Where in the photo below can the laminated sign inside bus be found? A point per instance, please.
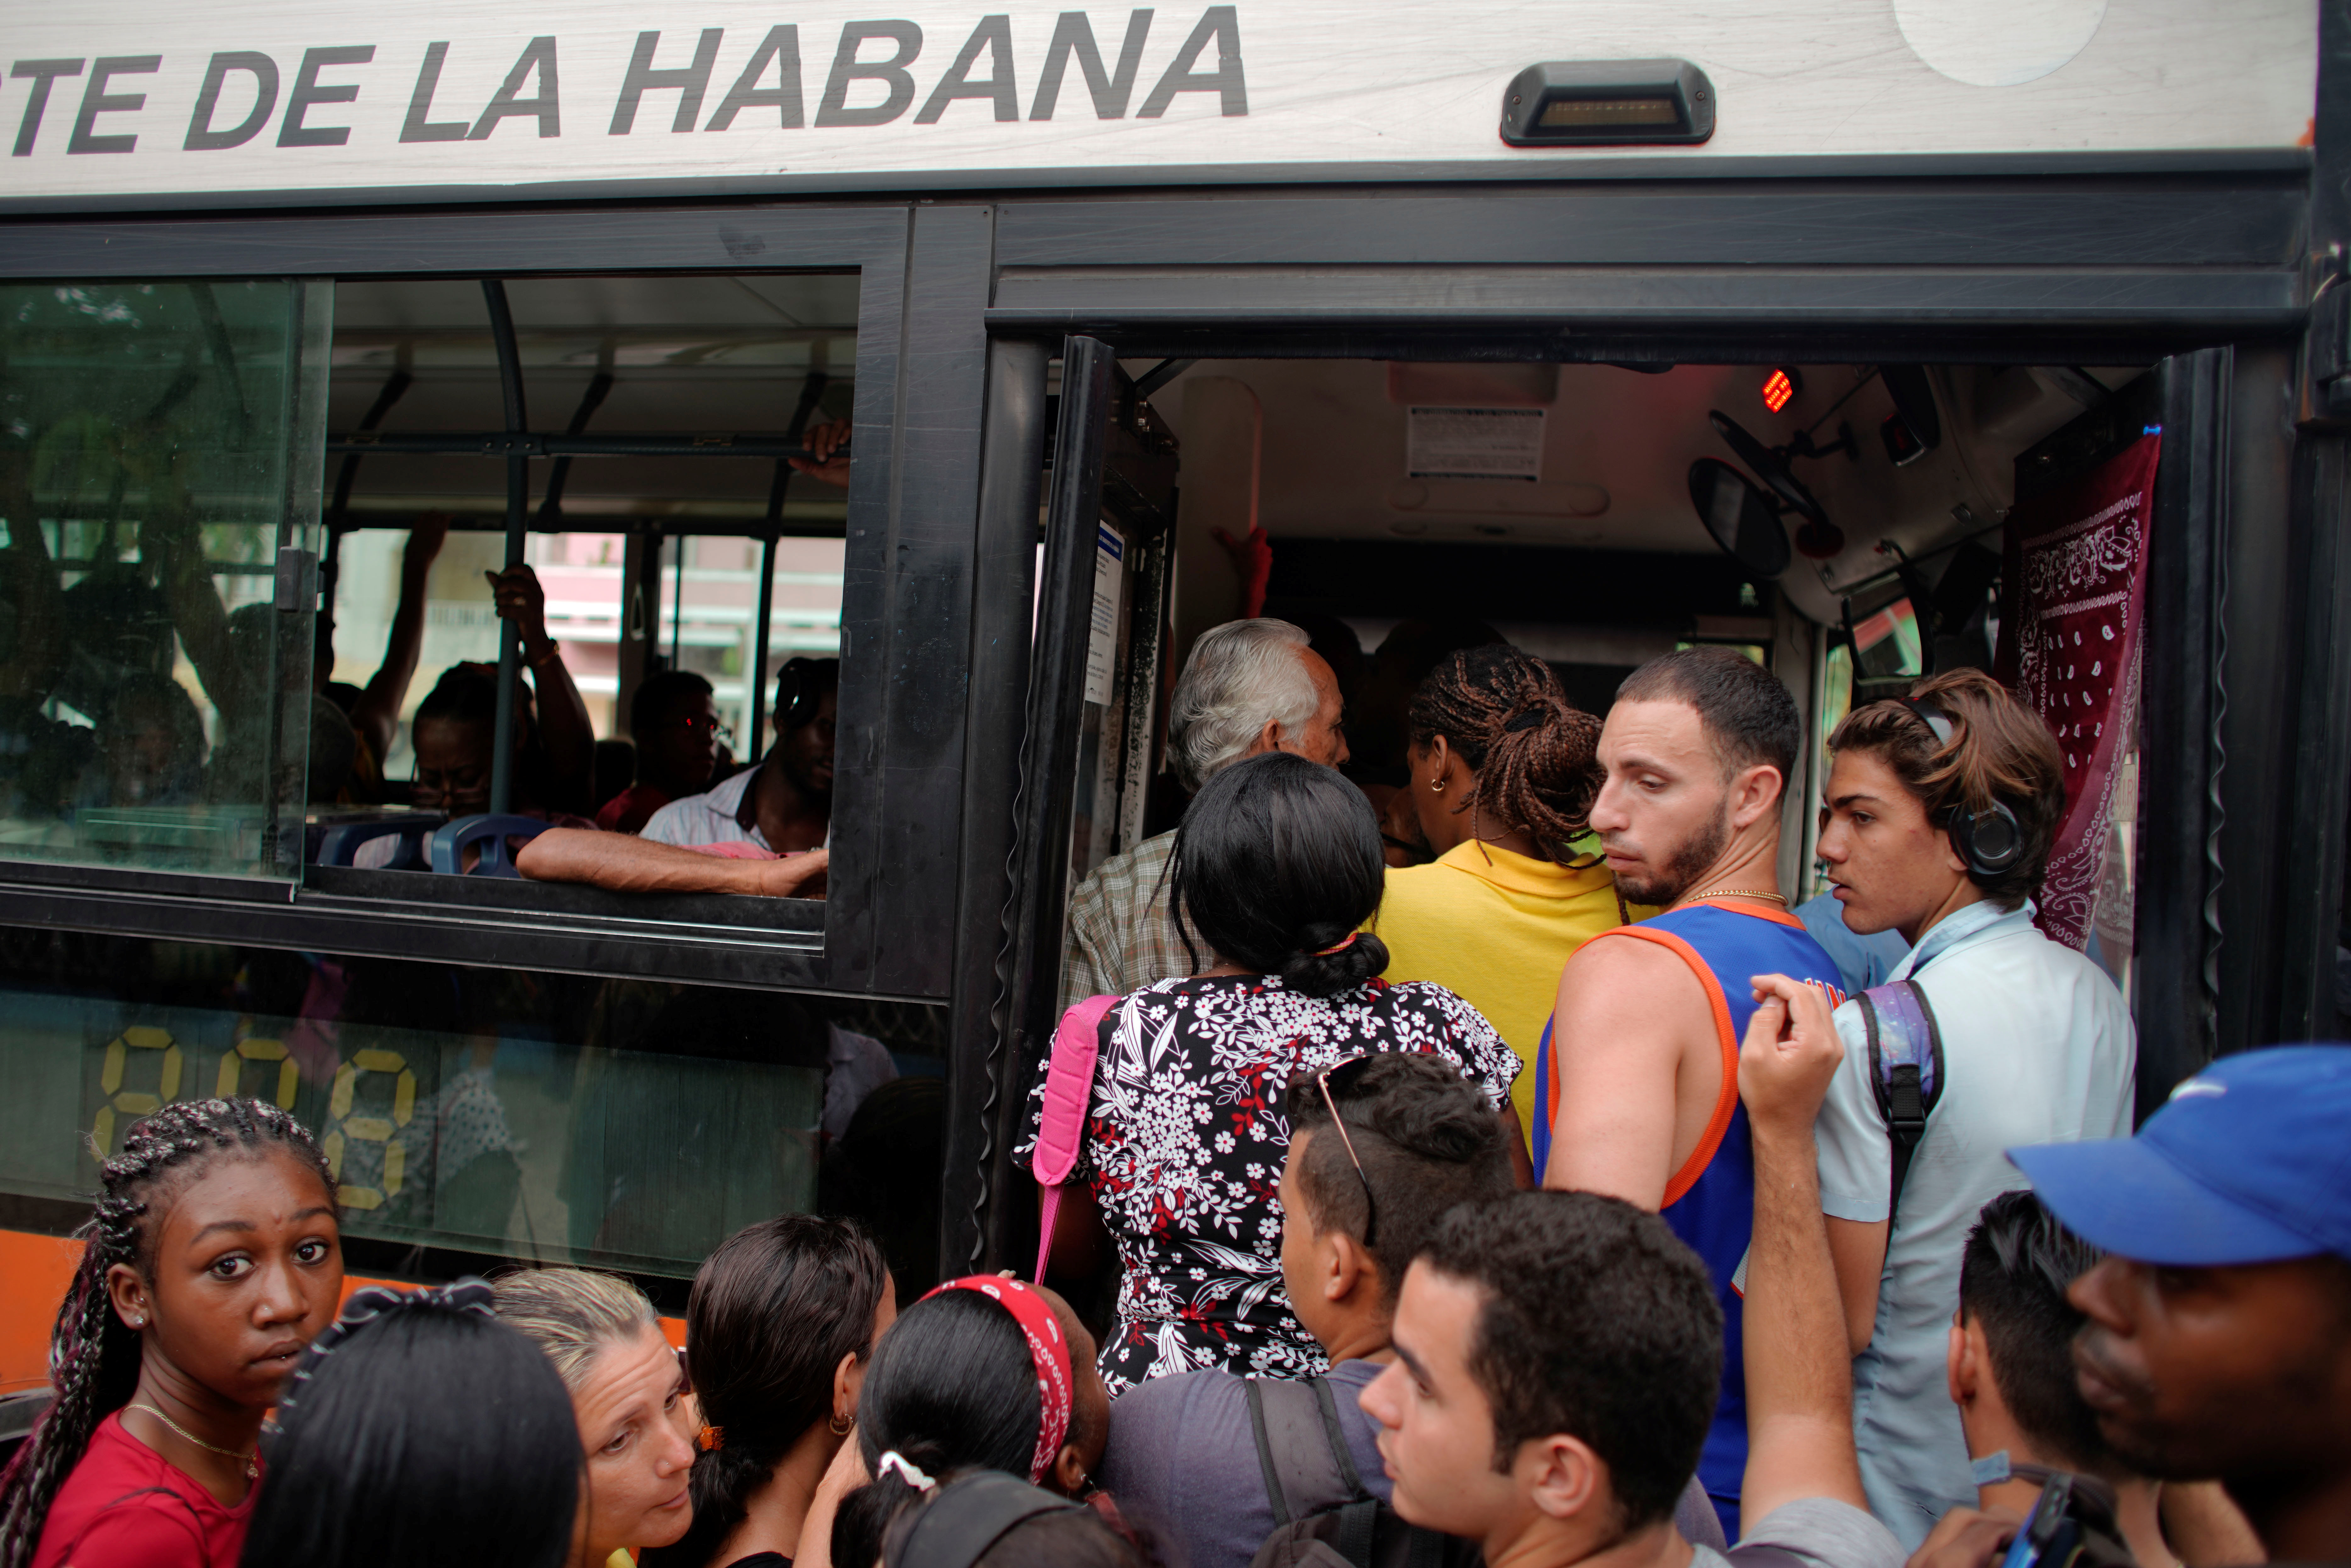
(121, 100)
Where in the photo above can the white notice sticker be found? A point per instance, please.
(1102, 646)
(1474, 443)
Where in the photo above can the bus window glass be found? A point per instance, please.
(510, 1115)
(159, 473)
(667, 411)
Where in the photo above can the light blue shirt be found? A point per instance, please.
(2038, 1047)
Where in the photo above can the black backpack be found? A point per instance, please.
(1906, 1069)
(1322, 1516)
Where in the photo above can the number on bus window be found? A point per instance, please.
(232, 1070)
(133, 1102)
(371, 1129)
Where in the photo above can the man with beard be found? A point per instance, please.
(2219, 1335)
(1637, 1088)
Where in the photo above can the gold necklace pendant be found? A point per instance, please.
(252, 1465)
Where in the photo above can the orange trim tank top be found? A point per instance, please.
(1710, 1201)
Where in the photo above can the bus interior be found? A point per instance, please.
(1837, 522)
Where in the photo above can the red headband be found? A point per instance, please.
(1048, 1353)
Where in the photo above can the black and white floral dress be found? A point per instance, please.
(1184, 1148)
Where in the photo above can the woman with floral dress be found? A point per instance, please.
(1276, 867)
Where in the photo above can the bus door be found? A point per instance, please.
(1098, 680)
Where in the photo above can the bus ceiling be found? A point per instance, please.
(1842, 473)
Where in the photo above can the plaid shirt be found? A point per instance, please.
(1122, 932)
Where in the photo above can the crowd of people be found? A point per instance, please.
(1548, 1201)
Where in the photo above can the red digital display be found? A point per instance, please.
(1778, 390)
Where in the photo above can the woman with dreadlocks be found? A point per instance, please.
(213, 1261)
(1503, 773)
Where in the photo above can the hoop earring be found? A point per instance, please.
(1436, 786)
(841, 1428)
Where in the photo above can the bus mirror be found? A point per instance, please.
(1914, 429)
(1741, 515)
(1608, 103)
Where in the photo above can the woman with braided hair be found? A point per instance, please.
(1503, 772)
(212, 1262)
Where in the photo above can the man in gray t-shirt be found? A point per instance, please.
(1557, 1356)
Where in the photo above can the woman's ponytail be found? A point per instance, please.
(1343, 963)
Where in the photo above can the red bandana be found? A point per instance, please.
(1048, 1352)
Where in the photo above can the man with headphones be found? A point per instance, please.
(784, 805)
(1940, 812)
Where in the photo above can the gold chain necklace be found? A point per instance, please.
(1738, 893)
(252, 1466)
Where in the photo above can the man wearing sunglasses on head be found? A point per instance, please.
(1381, 1148)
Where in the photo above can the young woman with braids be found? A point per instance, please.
(1276, 869)
(212, 1262)
(1503, 772)
(780, 1331)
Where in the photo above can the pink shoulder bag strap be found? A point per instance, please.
(1069, 1094)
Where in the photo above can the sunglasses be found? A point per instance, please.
(1343, 1073)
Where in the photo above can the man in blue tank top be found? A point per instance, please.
(1638, 1083)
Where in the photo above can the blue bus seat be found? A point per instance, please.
(446, 848)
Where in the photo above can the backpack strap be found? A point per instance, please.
(1906, 1069)
(1306, 1465)
(1069, 1096)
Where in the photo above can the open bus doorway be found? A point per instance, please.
(1576, 510)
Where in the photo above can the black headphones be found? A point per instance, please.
(1990, 842)
(800, 685)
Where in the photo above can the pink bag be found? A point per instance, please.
(1069, 1094)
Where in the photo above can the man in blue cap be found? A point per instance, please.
(2218, 1342)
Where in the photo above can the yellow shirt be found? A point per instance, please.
(1495, 928)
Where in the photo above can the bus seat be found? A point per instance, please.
(339, 844)
(446, 848)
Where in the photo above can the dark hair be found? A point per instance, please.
(2001, 753)
(1503, 712)
(433, 1434)
(660, 691)
(773, 1311)
(1597, 1323)
(1429, 1142)
(2014, 1274)
(93, 1356)
(465, 694)
(1278, 859)
(1750, 718)
(951, 1388)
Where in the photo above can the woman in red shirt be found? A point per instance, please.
(213, 1258)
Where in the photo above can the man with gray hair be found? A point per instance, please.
(1249, 686)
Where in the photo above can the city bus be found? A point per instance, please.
(972, 350)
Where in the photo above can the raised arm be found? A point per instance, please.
(1617, 1029)
(564, 728)
(376, 714)
(1799, 1377)
(625, 863)
(197, 613)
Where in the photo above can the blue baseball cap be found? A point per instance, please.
(2249, 1163)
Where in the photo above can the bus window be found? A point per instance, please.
(157, 485)
(667, 536)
